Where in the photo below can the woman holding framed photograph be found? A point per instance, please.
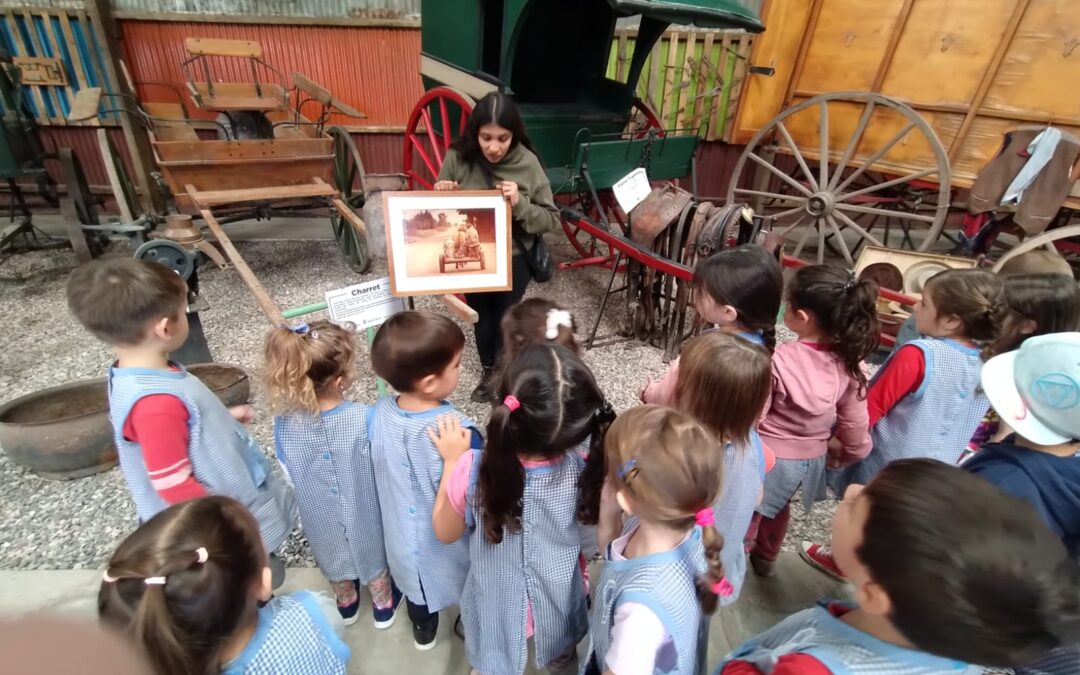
(494, 152)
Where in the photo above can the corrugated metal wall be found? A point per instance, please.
(376, 70)
(326, 9)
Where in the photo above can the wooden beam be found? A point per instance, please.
(219, 197)
(890, 48)
(459, 309)
(262, 296)
(988, 77)
(136, 136)
(187, 17)
(804, 47)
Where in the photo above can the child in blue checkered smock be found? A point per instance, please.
(926, 401)
(948, 572)
(663, 571)
(419, 355)
(724, 383)
(522, 501)
(322, 442)
(192, 587)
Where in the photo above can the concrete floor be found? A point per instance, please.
(763, 603)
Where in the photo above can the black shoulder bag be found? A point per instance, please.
(537, 256)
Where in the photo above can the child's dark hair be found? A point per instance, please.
(412, 345)
(301, 363)
(495, 108)
(977, 298)
(179, 610)
(560, 407)
(1050, 301)
(537, 321)
(844, 307)
(748, 278)
(115, 298)
(670, 467)
(724, 383)
(1005, 590)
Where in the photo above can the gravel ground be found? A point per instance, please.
(77, 524)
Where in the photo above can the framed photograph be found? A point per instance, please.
(447, 242)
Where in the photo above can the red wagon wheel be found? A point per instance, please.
(641, 120)
(436, 120)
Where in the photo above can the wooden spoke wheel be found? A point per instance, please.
(643, 119)
(436, 120)
(348, 178)
(823, 190)
(586, 246)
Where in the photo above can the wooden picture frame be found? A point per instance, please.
(448, 242)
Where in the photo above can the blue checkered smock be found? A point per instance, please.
(224, 458)
(329, 459)
(292, 636)
(935, 421)
(539, 565)
(744, 470)
(663, 582)
(408, 469)
(841, 648)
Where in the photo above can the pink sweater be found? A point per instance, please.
(812, 392)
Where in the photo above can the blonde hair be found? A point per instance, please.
(299, 364)
(724, 383)
(671, 468)
(1039, 261)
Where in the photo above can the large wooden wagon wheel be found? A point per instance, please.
(822, 195)
(641, 120)
(349, 180)
(436, 120)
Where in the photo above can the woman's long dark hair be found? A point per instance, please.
(561, 406)
(495, 108)
(845, 308)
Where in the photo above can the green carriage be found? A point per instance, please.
(552, 55)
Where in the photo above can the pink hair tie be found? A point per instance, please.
(723, 588)
(511, 402)
(705, 517)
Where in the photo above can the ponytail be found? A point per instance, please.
(501, 478)
(154, 628)
(712, 584)
(844, 308)
(591, 481)
(299, 363)
(854, 328)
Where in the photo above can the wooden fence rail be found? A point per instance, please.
(692, 79)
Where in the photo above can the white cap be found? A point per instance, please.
(1036, 388)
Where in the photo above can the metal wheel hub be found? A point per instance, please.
(820, 204)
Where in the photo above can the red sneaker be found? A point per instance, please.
(820, 557)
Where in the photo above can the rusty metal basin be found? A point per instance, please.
(64, 432)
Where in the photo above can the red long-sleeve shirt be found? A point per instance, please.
(899, 377)
(159, 424)
(789, 664)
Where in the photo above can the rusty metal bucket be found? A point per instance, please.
(63, 432)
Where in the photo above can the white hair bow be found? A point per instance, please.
(555, 319)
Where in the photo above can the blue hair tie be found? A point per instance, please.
(302, 329)
(627, 471)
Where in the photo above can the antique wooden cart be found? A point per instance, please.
(265, 156)
(589, 130)
(878, 114)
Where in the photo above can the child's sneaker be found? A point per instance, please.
(347, 594)
(820, 557)
(424, 635)
(384, 618)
